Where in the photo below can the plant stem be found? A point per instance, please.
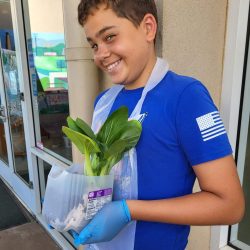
(105, 168)
(88, 168)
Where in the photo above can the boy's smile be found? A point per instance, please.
(121, 49)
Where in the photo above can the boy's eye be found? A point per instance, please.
(109, 37)
(94, 46)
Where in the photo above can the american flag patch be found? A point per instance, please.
(210, 125)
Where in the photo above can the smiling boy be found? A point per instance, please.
(183, 138)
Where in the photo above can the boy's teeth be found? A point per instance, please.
(113, 65)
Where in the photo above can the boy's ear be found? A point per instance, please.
(150, 27)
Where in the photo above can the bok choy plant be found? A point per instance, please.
(103, 150)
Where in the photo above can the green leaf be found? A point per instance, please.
(104, 150)
(128, 135)
(109, 129)
(117, 147)
(82, 142)
(131, 132)
(72, 125)
(85, 128)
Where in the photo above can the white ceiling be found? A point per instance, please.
(5, 15)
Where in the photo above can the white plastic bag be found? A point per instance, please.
(72, 199)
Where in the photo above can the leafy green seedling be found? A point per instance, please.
(104, 149)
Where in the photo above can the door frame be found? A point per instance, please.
(235, 44)
(22, 62)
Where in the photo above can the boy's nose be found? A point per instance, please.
(102, 53)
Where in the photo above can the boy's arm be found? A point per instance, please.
(220, 200)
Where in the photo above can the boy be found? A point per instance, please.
(182, 138)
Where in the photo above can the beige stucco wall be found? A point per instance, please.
(46, 16)
(193, 34)
(193, 43)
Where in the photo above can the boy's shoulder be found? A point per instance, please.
(180, 82)
(174, 85)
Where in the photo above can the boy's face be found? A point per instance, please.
(122, 50)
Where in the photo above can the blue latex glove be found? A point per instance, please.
(106, 224)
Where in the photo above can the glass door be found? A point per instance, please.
(5, 147)
(14, 166)
(6, 31)
(13, 112)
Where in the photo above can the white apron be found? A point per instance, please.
(125, 171)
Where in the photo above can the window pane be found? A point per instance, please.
(48, 74)
(13, 95)
(3, 148)
(44, 169)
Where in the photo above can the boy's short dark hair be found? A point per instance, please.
(133, 10)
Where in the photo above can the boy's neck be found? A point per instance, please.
(148, 71)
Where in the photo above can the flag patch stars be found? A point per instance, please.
(210, 125)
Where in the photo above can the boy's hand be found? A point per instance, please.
(106, 224)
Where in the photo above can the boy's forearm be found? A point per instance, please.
(202, 208)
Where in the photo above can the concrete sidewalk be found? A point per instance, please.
(29, 236)
(18, 228)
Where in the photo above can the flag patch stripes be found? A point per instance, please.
(210, 125)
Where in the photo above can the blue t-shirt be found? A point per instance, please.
(182, 129)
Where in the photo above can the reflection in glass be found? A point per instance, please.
(244, 225)
(12, 92)
(6, 38)
(48, 75)
(3, 148)
(44, 169)
(13, 99)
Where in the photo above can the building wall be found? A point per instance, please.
(193, 40)
(193, 44)
(46, 16)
